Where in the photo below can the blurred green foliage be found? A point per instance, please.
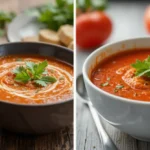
(91, 4)
(5, 17)
(55, 15)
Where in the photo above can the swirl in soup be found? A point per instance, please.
(125, 74)
(35, 80)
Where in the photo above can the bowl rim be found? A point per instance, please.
(117, 98)
(39, 105)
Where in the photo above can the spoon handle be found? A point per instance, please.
(107, 143)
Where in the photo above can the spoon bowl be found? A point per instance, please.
(105, 139)
(81, 89)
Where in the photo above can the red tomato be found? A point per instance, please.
(147, 19)
(92, 29)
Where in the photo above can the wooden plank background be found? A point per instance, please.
(60, 140)
(127, 17)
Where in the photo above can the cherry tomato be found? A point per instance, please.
(92, 29)
(147, 19)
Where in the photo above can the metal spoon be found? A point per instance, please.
(107, 143)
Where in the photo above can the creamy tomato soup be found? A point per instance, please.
(125, 74)
(29, 92)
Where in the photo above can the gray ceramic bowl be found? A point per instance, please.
(41, 118)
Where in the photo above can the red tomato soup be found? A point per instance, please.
(26, 80)
(116, 75)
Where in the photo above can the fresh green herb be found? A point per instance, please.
(84, 5)
(37, 69)
(108, 79)
(55, 15)
(118, 87)
(142, 67)
(5, 17)
(19, 69)
(105, 84)
(21, 75)
(45, 72)
(33, 72)
(45, 80)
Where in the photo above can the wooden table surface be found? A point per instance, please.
(127, 22)
(60, 140)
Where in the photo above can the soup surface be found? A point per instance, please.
(29, 92)
(117, 75)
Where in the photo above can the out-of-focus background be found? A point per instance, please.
(38, 21)
(57, 140)
(128, 21)
(17, 6)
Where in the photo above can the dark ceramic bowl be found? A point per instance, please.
(41, 118)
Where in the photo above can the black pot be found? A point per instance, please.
(39, 118)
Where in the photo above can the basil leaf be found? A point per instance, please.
(142, 67)
(22, 77)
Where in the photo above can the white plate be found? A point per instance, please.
(23, 26)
